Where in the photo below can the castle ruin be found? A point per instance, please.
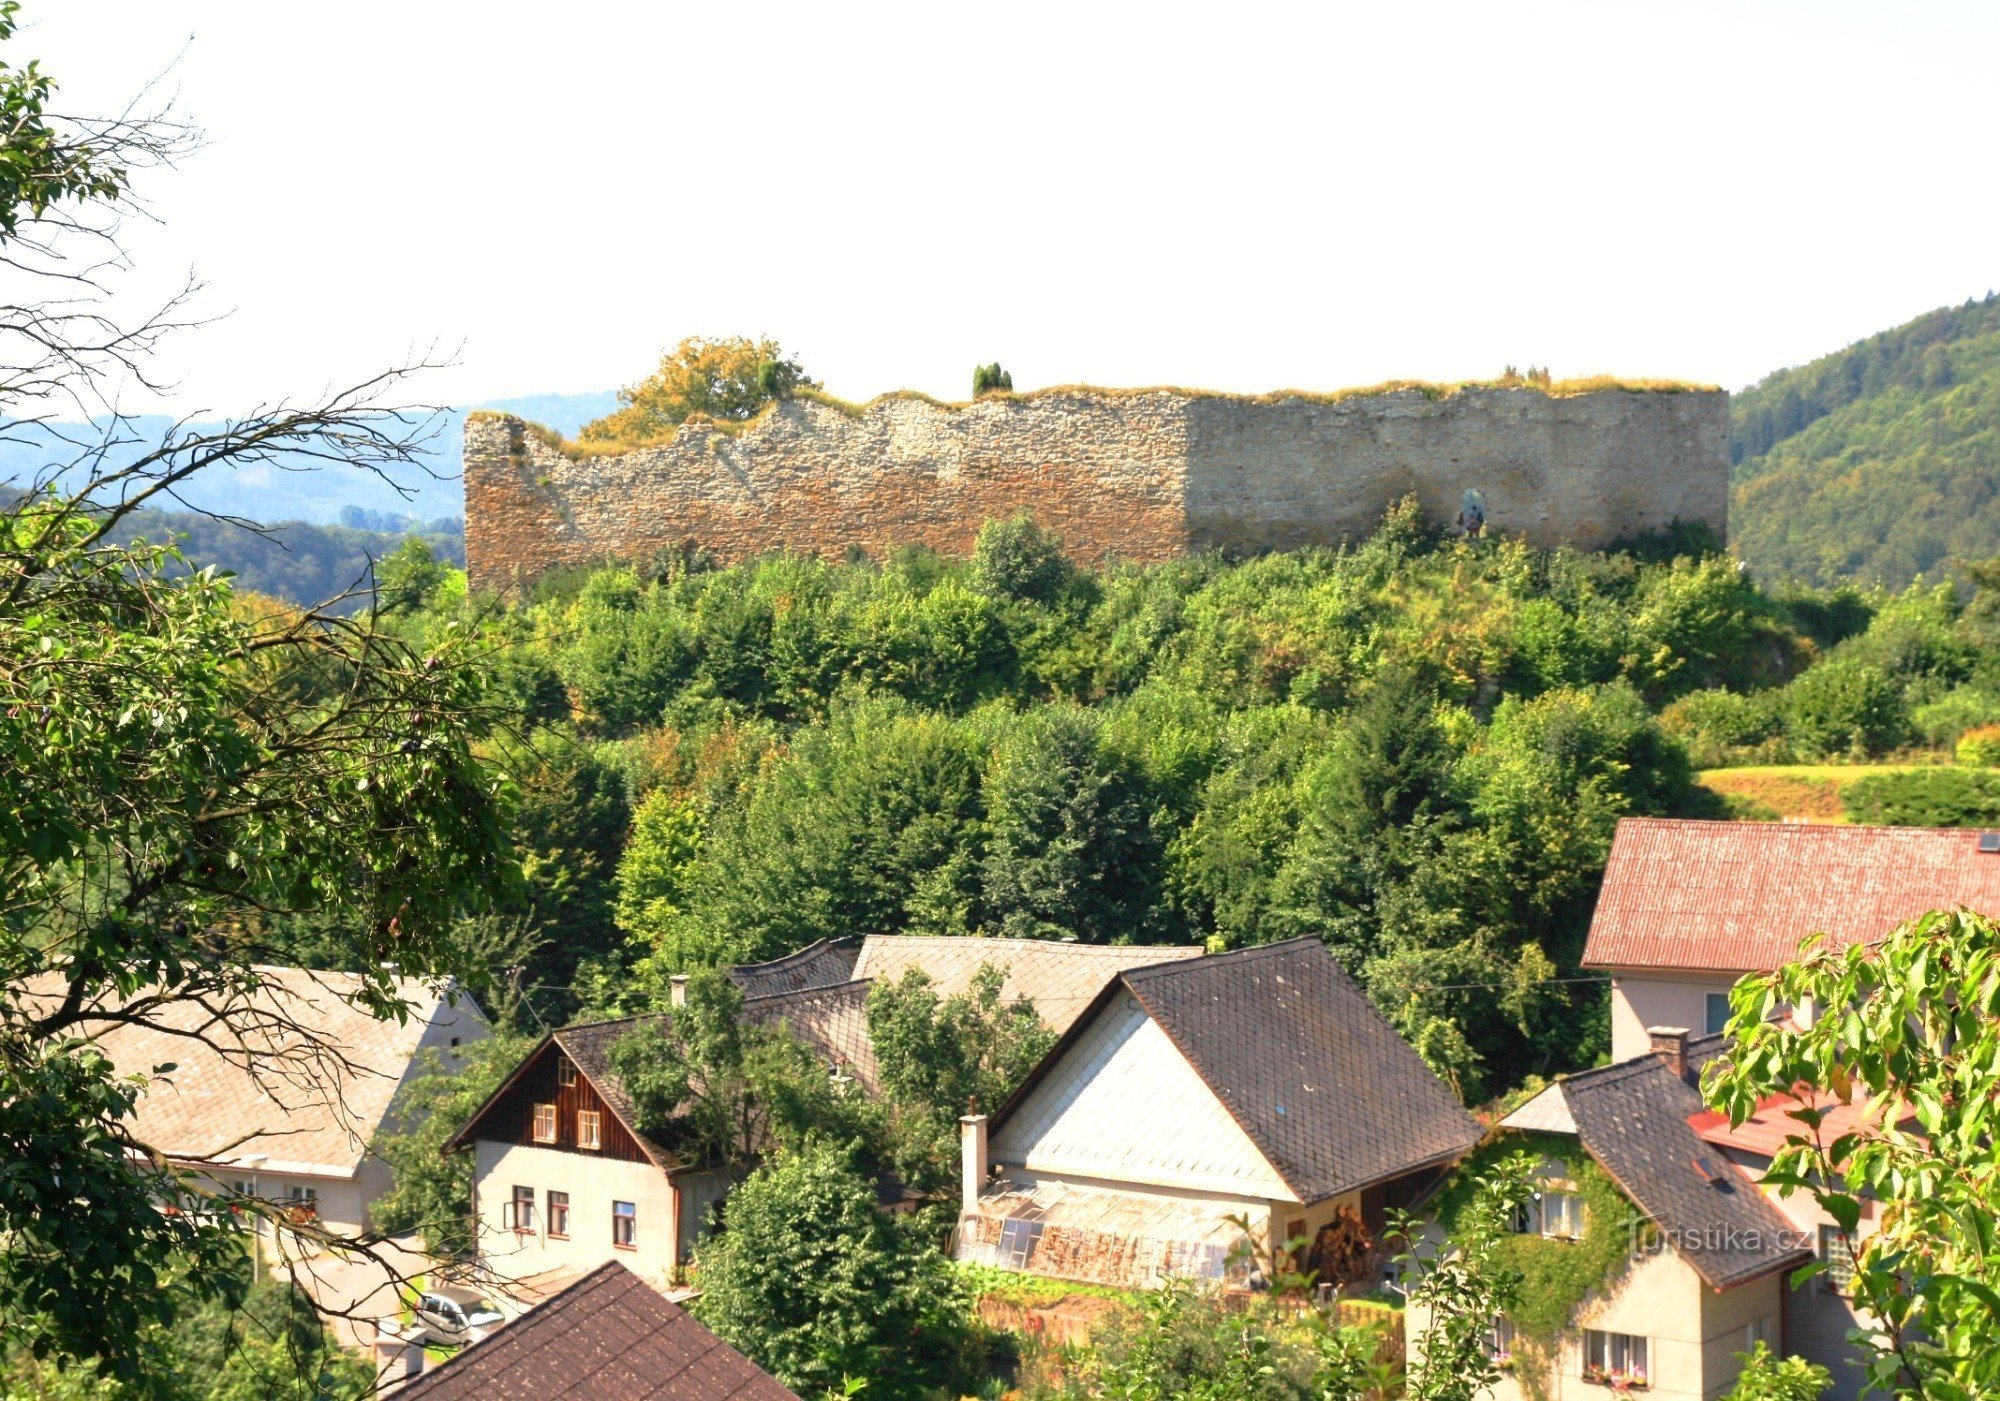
(1138, 475)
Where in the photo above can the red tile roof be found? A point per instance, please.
(1767, 1131)
(1739, 897)
(610, 1337)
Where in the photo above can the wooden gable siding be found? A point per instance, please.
(1124, 1105)
(511, 1118)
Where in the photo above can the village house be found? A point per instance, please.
(280, 1095)
(1704, 1255)
(1192, 1099)
(1689, 907)
(609, 1336)
(566, 1178)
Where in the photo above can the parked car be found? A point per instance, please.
(452, 1323)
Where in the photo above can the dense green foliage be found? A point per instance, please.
(1415, 750)
(1916, 1040)
(432, 1195)
(817, 1286)
(272, 1348)
(1935, 797)
(1767, 1377)
(1555, 1276)
(1880, 462)
(988, 378)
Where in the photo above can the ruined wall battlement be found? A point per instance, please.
(1119, 475)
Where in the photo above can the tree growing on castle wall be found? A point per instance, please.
(989, 379)
(731, 378)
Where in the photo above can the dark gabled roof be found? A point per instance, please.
(1740, 897)
(824, 964)
(589, 1048)
(1633, 1118)
(831, 1020)
(1322, 1084)
(610, 1337)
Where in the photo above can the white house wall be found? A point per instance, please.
(593, 1184)
(1124, 1105)
(1642, 1000)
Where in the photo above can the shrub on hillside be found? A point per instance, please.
(1980, 747)
(1843, 707)
(1722, 727)
(1939, 797)
(1942, 721)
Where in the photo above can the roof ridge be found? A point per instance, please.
(799, 993)
(1210, 960)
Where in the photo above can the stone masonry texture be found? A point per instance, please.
(1141, 476)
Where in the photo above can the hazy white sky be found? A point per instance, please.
(1242, 196)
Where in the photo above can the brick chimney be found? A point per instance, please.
(1670, 1044)
(972, 1159)
(678, 993)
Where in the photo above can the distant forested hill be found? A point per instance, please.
(297, 561)
(1880, 462)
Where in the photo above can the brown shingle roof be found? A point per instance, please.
(831, 1020)
(252, 1084)
(817, 965)
(610, 1337)
(1634, 1119)
(1059, 978)
(1739, 897)
(1322, 1084)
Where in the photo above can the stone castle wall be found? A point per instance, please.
(1140, 476)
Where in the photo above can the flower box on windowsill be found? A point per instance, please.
(1617, 1381)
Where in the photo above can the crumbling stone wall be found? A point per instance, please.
(1142, 475)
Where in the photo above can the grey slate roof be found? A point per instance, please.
(831, 1020)
(610, 1336)
(823, 964)
(1633, 1117)
(1323, 1085)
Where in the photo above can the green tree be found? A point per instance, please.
(816, 1285)
(1016, 559)
(178, 766)
(943, 1057)
(432, 1195)
(730, 378)
(1909, 1030)
(1767, 1377)
(1070, 850)
(987, 379)
(724, 1091)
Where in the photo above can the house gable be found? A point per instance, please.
(509, 1116)
(1123, 1104)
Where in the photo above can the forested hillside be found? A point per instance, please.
(295, 561)
(1415, 750)
(1879, 463)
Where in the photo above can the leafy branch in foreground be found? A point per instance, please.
(1911, 1035)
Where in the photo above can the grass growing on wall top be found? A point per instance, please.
(1432, 390)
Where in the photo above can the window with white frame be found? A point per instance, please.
(545, 1123)
(1617, 1359)
(589, 1129)
(1555, 1210)
(1836, 1247)
(1500, 1339)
